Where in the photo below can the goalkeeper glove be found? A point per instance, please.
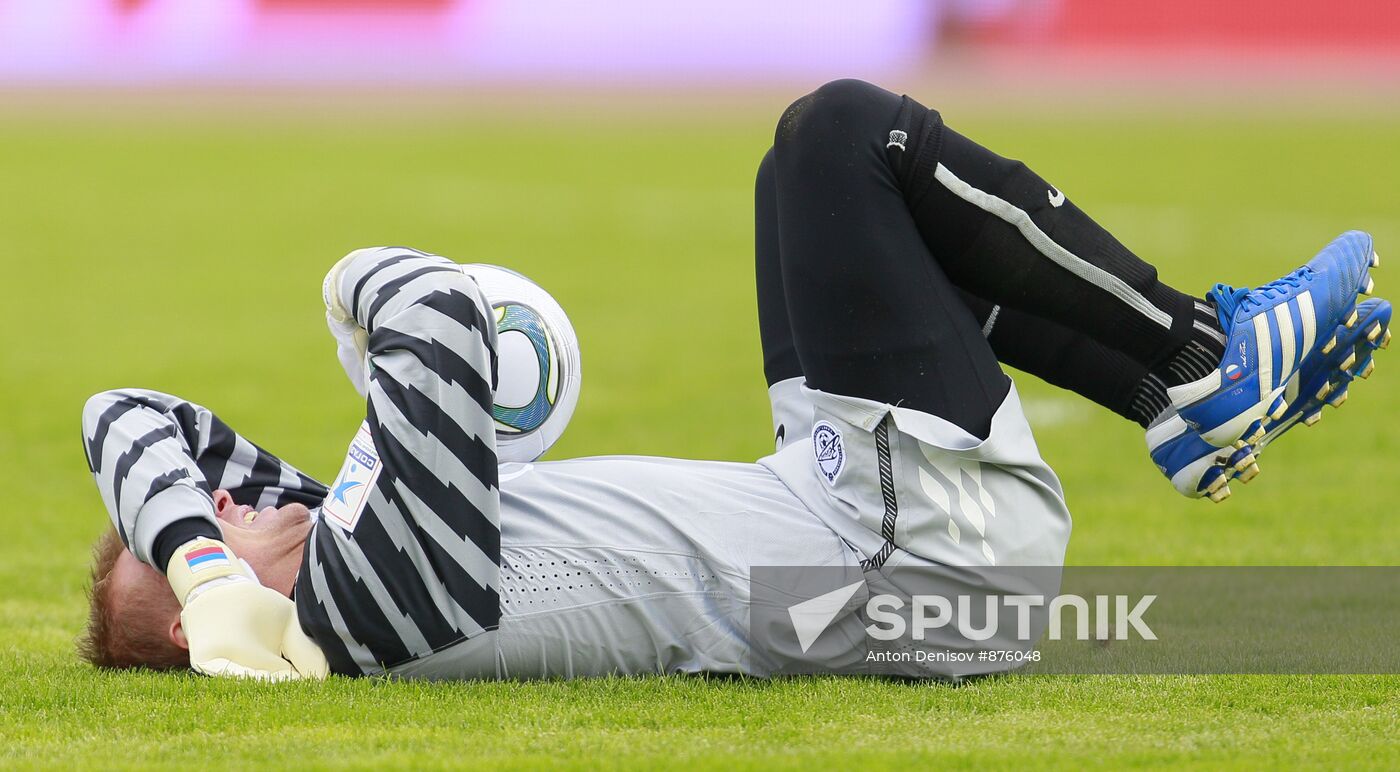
(234, 625)
(351, 340)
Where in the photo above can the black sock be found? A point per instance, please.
(1149, 400)
(1201, 355)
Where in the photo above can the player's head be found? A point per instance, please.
(134, 617)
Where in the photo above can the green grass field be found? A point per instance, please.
(185, 255)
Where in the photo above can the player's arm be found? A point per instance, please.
(414, 562)
(141, 447)
(156, 459)
(145, 450)
(430, 372)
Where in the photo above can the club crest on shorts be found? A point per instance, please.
(829, 451)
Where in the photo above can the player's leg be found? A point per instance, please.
(1038, 346)
(1061, 356)
(1003, 233)
(1064, 357)
(1071, 360)
(1057, 353)
(869, 312)
(791, 410)
(888, 345)
(1110, 378)
(1196, 468)
(780, 362)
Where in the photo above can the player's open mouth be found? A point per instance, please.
(242, 515)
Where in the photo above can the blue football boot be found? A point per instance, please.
(1196, 468)
(1269, 332)
(1346, 356)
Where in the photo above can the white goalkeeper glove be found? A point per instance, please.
(235, 626)
(351, 340)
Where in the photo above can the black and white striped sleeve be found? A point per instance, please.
(157, 460)
(417, 566)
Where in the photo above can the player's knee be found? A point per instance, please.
(849, 94)
(764, 178)
(840, 104)
(1011, 170)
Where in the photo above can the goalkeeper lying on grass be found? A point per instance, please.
(899, 265)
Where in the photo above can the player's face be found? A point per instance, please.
(246, 522)
(270, 540)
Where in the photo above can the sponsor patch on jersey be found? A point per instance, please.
(350, 492)
(829, 451)
(206, 557)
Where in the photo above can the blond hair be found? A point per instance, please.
(137, 637)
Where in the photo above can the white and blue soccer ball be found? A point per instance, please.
(539, 367)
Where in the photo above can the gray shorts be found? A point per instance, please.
(624, 565)
(904, 486)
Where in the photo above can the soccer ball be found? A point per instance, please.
(538, 371)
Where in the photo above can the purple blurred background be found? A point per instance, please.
(622, 42)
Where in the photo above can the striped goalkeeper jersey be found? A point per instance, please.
(404, 553)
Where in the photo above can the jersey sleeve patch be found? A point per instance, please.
(358, 475)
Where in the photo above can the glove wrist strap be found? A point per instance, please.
(198, 562)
